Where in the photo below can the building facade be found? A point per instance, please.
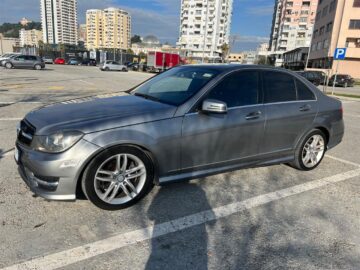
(82, 33)
(108, 28)
(292, 27)
(30, 37)
(337, 26)
(7, 45)
(59, 21)
(204, 27)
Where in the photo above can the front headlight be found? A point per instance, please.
(57, 142)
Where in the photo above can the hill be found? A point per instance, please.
(12, 29)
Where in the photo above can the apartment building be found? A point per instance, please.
(337, 26)
(108, 28)
(59, 21)
(30, 37)
(292, 26)
(204, 27)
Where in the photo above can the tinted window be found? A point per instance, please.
(20, 58)
(237, 89)
(31, 58)
(304, 93)
(279, 87)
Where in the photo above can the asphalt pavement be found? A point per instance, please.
(263, 218)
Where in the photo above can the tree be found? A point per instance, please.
(261, 60)
(142, 55)
(135, 39)
(129, 51)
(225, 48)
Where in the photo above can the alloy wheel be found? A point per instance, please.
(313, 151)
(119, 179)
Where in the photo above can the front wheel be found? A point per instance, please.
(37, 67)
(309, 154)
(8, 65)
(118, 178)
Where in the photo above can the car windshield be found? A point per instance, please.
(176, 85)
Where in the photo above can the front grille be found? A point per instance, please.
(26, 132)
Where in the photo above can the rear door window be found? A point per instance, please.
(304, 93)
(279, 87)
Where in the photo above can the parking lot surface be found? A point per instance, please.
(263, 218)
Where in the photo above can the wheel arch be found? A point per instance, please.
(79, 192)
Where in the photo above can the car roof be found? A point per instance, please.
(230, 67)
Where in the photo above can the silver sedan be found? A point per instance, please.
(188, 122)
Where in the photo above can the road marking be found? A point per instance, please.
(56, 88)
(21, 102)
(351, 115)
(10, 119)
(87, 251)
(89, 83)
(344, 161)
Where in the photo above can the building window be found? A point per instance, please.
(321, 30)
(332, 5)
(354, 24)
(325, 11)
(329, 27)
(356, 3)
(326, 43)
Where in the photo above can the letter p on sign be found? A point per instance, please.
(340, 54)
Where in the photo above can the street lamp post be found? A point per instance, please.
(205, 32)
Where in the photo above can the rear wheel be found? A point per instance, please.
(118, 178)
(107, 69)
(124, 69)
(310, 152)
(8, 65)
(345, 85)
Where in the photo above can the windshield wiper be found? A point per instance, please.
(148, 97)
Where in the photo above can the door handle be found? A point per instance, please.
(305, 108)
(253, 115)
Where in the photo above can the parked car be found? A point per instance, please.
(113, 65)
(311, 77)
(322, 75)
(342, 80)
(7, 56)
(188, 122)
(25, 61)
(89, 62)
(48, 60)
(133, 66)
(59, 61)
(73, 62)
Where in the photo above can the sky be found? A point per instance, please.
(251, 20)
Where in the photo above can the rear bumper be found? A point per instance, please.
(337, 134)
(54, 176)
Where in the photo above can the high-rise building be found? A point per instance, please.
(204, 27)
(292, 26)
(337, 26)
(30, 37)
(108, 28)
(59, 21)
(82, 33)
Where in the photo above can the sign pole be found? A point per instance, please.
(336, 73)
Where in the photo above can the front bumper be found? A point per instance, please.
(54, 176)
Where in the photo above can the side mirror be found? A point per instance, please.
(214, 106)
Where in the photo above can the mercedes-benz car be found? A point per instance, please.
(188, 122)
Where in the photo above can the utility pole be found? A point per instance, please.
(205, 31)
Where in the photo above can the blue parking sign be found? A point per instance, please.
(340, 54)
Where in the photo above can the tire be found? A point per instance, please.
(318, 151)
(107, 69)
(8, 65)
(37, 67)
(345, 85)
(126, 187)
(124, 70)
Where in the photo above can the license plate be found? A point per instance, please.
(17, 154)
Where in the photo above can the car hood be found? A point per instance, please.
(97, 113)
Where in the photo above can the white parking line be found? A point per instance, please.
(10, 119)
(343, 161)
(22, 102)
(87, 251)
(351, 115)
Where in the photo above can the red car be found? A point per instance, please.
(59, 61)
